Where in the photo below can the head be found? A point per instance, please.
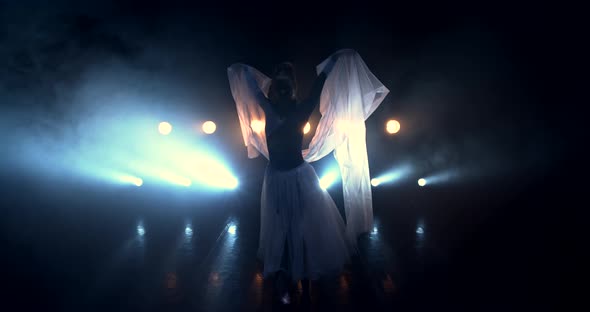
(283, 87)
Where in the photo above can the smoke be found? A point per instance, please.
(465, 112)
(69, 75)
(73, 86)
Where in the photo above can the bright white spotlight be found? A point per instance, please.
(232, 229)
(154, 171)
(306, 128)
(375, 230)
(176, 160)
(174, 178)
(211, 172)
(188, 231)
(232, 183)
(131, 179)
(185, 182)
(422, 182)
(165, 128)
(392, 176)
(140, 230)
(393, 126)
(221, 180)
(420, 230)
(328, 179)
(257, 126)
(209, 127)
(442, 177)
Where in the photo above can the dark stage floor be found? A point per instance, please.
(89, 248)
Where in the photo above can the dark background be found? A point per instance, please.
(479, 88)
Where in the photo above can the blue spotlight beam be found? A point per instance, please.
(329, 178)
(392, 176)
(441, 177)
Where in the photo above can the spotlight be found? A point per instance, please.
(165, 128)
(329, 179)
(306, 128)
(393, 175)
(232, 229)
(442, 177)
(224, 182)
(232, 183)
(212, 173)
(188, 231)
(209, 127)
(131, 179)
(257, 126)
(421, 182)
(175, 179)
(392, 126)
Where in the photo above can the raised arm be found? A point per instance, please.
(314, 97)
(258, 94)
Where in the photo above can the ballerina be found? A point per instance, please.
(302, 235)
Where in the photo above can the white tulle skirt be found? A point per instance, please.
(297, 214)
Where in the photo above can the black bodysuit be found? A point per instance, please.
(284, 130)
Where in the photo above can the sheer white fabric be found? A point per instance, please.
(300, 220)
(350, 95)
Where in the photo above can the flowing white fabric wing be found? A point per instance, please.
(350, 95)
(252, 118)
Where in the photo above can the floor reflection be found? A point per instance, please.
(187, 247)
(257, 290)
(388, 285)
(124, 256)
(183, 266)
(224, 271)
(128, 257)
(420, 236)
(174, 293)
